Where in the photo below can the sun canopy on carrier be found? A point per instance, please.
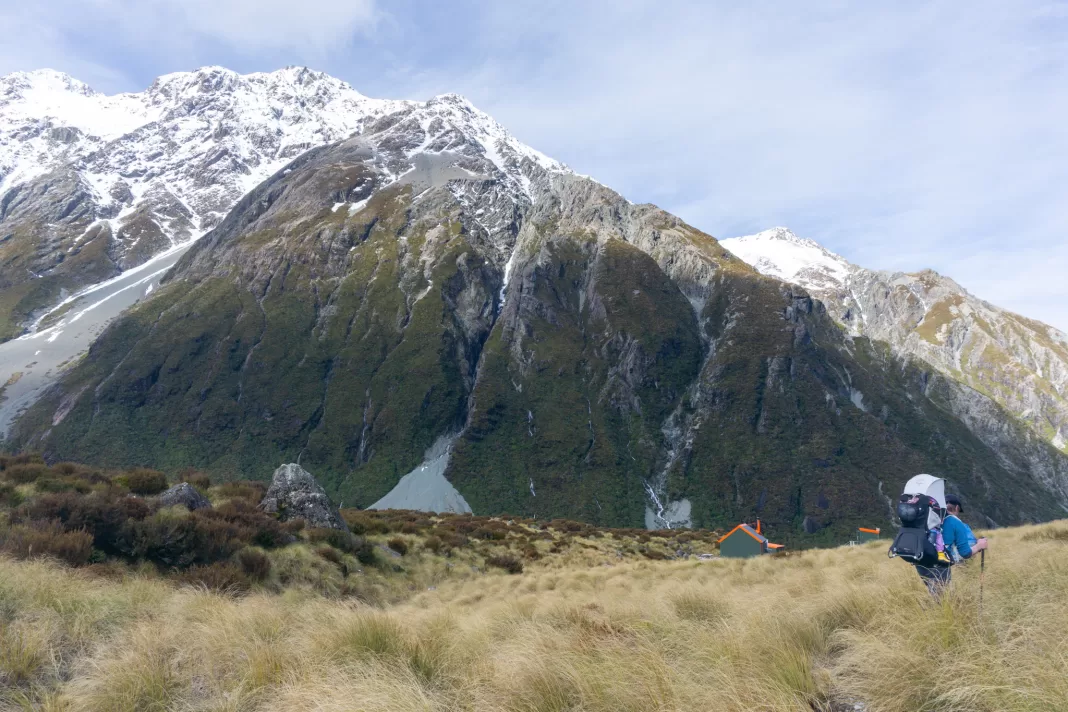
(929, 485)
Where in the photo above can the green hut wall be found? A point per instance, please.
(863, 536)
(740, 545)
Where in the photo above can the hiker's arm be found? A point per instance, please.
(979, 546)
(958, 536)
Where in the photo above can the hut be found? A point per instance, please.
(745, 541)
(866, 534)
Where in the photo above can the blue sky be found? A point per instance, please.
(902, 135)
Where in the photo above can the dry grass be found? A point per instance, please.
(821, 630)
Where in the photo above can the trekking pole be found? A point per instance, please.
(982, 567)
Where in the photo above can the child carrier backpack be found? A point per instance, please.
(919, 541)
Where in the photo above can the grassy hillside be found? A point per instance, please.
(588, 624)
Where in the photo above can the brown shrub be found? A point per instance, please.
(196, 478)
(454, 540)
(248, 523)
(433, 543)
(490, 533)
(25, 473)
(255, 564)
(345, 541)
(509, 563)
(38, 539)
(531, 552)
(398, 545)
(363, 522)
(243, 489)
(27, 458)
(101, 514)
(224, 577)
(9, 496)
(330, 554)
(143, 481)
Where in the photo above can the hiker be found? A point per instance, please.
(928, 534)
(954, 509)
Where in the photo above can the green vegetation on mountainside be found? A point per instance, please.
(350, 328)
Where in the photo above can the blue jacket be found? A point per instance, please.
(957, 535)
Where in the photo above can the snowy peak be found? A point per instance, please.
(111, 181)
(780, 253)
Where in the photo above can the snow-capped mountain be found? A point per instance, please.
(1020, 363)
(780, 253)
(91, 185)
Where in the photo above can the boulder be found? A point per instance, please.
(294, 494)
(184, 494)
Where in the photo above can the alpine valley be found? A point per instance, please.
(401, 292)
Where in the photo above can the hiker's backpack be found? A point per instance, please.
(919, 541)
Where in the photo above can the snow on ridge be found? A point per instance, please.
(780, 253)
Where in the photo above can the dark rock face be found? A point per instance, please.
(294, 494)
(186, 495)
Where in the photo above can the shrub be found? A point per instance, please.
(330, 554)
(143, 481)
(433, 543)
(62, 484)
(490, 534)
(243, 489)
(363, 522)
(25, 473)
(398, 545)
(246, 523)
(454, 541)
(176, 542)
(531, 552)
(101, 514)
(509, 563)
(196, 478)
(224, 577)
(344, 541)
(24, 541)
(255, 564)
(9, 496)
(7, 461)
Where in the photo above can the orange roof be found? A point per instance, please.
(869, 531)
(745, 528)
(775, 546)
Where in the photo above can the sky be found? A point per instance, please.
(902, 135)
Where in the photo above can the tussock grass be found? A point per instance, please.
(821, 630)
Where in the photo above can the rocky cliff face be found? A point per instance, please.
(432, 278)
(1018, 363)
(91, 185)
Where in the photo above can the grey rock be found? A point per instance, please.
(295, 494)
(184, 494)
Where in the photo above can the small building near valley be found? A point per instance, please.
(745, 541)
(866, 534)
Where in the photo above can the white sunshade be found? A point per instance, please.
(929, 485)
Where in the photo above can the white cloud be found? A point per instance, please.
(903, 135)
(307, 27)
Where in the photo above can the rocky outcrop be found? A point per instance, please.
(295, 494)
(185, 495)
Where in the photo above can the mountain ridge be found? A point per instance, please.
(1020, 363)
(429, 279)
(92, 185)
